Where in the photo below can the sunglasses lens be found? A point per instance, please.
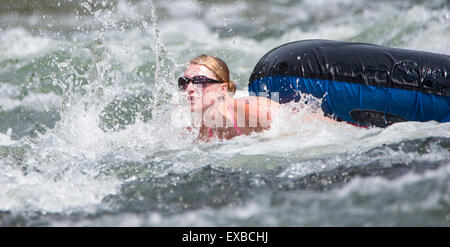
(199, 80)
(205, 80)
(183, 82)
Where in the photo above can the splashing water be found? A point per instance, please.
(92, 125)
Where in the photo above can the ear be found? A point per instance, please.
(223, 89)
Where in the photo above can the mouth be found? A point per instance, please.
(191, 99)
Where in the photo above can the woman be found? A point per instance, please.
(209, 93)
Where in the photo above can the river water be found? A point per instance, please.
(92, 125)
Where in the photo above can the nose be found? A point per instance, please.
(190, 87)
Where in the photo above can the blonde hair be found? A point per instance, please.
(218, 67)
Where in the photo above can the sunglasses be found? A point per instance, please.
(183, 82)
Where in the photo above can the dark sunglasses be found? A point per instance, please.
(183, 82)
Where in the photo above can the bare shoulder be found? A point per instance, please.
(256, 100)
(257, 107)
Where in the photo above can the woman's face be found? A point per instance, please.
(200, 98)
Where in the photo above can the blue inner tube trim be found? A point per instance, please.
(347, 97)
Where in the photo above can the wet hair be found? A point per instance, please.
(218, 67)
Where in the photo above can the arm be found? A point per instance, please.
(258, 111)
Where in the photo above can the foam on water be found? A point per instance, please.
(33, 101)
(35, 191)
(5, 139)
(75, 165)
(363, 202)
(19, 43)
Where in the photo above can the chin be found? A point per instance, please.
(195, 107)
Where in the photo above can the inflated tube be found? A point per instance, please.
(364, 84)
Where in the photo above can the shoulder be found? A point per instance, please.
(216, 110)
(255, 105)
(257, 101)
